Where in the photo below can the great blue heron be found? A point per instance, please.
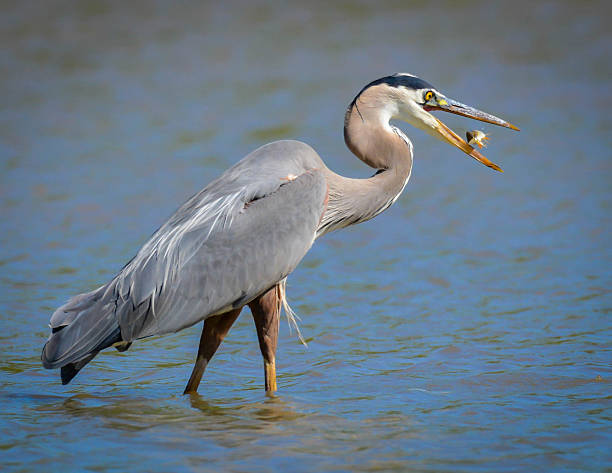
(235, 242)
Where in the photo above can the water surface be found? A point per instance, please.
(465, 329)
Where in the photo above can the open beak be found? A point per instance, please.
(448, 135)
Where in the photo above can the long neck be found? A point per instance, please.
(369, 136)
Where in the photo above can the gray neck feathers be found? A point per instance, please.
(369, 136)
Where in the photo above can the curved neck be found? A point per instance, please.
(369, 136)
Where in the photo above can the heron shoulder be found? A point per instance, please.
(292, 152)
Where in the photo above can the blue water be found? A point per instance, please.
(465, 329)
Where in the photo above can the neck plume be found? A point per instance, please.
(369, 136)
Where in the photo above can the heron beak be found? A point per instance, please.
(448, 135)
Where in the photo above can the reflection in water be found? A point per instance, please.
(465, 329)
(188, 413)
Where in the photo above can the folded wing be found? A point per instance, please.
(226, 245)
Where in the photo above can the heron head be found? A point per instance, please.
(411, 99)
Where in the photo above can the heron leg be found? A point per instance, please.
(266, 314)
(214, 331)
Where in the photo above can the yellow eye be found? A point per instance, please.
(428, 95)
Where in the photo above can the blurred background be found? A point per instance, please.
(465, 329)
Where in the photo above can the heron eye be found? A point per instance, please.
(428, 95)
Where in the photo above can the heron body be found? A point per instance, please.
(235, 242)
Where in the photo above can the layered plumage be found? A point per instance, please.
(222, 248)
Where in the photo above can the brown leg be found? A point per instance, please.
(214, 331)
(266, 313)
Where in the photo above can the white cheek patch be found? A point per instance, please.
(411, 109)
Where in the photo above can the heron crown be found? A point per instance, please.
(400, 79)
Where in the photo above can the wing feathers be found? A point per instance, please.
(263, 244)
(243, 233)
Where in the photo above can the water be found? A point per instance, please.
(466, 329)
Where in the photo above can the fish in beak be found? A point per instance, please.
(439, 102)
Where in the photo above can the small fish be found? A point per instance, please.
(476, 137)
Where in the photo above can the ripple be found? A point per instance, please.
(464, 329)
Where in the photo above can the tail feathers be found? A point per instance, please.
(86, 324)
(65, 314)
(70, 370)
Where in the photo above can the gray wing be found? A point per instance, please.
(229, 243)
(226, 245)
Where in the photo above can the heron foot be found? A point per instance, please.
(266, 315)
(270, 372)
(196, 376)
